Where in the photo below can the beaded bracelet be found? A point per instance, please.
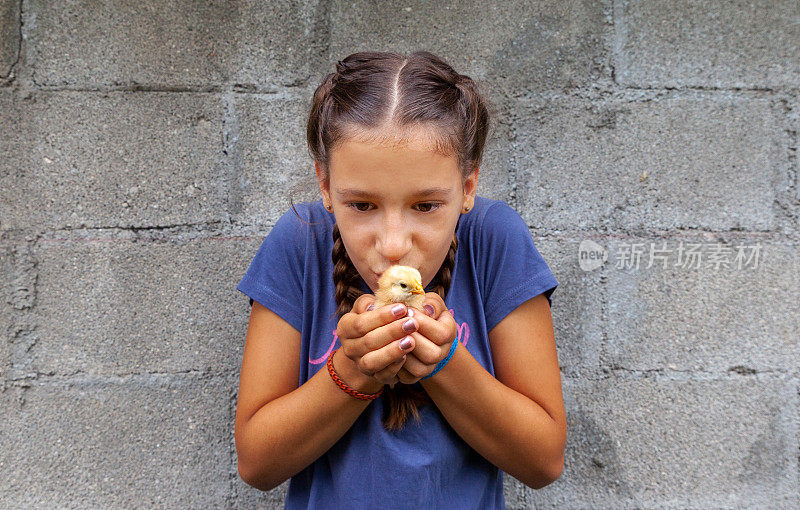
(350, 391)
(444, 361)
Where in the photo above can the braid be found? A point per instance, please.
(402, 401)
(345, 275)
(444, 277)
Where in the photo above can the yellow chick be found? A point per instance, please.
(400, 284)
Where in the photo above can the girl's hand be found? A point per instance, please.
(371, 338)
(432, 340)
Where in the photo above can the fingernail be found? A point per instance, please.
(409, 326)
(429, 310)
(410, 312)
(399, 310)
(406, 343)
(370, 308)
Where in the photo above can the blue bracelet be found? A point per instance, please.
(442, 363)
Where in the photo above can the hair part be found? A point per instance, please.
(394, 100)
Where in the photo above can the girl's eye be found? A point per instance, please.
(433, 206)
(355, 205)
(427, 207)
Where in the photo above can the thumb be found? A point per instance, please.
(361, 303)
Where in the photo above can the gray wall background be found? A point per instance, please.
(148, 147)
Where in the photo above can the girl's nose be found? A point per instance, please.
(394, 242)
(394, 248)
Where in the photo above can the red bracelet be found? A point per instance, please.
(345, 387)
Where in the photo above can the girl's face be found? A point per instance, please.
(395, 206)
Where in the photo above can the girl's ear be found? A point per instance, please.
(470, 188)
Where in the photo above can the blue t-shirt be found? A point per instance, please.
(425, 464)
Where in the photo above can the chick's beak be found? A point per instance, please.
(417, 288)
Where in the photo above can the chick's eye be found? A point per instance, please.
(403, 285)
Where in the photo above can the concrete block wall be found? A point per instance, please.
(147, 148)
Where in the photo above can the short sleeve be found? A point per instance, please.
(513, 271)
(275, 275)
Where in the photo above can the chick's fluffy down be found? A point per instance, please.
(400, 284)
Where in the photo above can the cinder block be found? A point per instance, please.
(795, 159)
(11, 153)
(495, 174)
(174, 43)
(516, 47)
(576, 306)
(496, 170)
(788, 196)
(7, 334)
(109, 305)
(707, 44)
(83, 159)
(17, 281)
(708, 313)
(275, 165)
(9, 36)
(692, 160)
(647, 442)
(19, 273)
(152, 440)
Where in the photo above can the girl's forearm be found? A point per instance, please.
(289, 433)
(509, 429)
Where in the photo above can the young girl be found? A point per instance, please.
(397, 142)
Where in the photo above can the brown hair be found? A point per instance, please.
(388, 98)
